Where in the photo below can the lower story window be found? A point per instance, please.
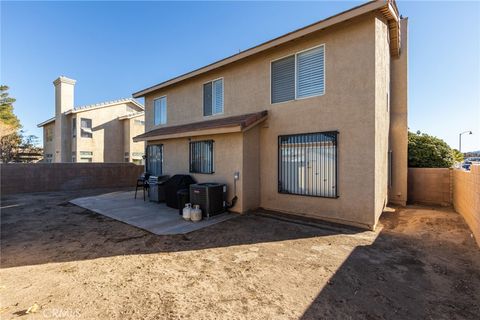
(155, 159)
(307, 164)
(201, 156)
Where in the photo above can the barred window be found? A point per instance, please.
(201, 156)
(155, 159)
(307, 164)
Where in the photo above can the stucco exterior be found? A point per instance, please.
(399, 122)
(113, 125)
(355, 103)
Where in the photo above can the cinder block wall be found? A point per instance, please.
(40, 177)
(430, 186)
(466, 197)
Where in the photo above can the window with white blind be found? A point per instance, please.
(160, 110)
(298, 76)
(213, 97)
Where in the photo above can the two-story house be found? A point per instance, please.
(311, 123)
(101, 132)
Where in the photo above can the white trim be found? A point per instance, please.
(296, 75)
(166, 111)
(104, 105)
(223, 98)
(46, 122)
(132, 115)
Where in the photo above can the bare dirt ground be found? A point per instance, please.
(70, 263)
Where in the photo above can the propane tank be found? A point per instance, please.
(186, 212)
(196, 213)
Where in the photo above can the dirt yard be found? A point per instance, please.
(69, 263)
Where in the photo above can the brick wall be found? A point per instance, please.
(39, 177)
(430, 186)
(466, 197)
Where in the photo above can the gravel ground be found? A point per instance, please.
(65, 262)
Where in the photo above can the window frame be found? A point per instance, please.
(212, 166)
(74, 127)
(279, 168)
(295, 54)
(213, 96)
(166, 111)
(147, 166)
(91, 128)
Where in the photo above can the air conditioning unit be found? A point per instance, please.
(211, 197)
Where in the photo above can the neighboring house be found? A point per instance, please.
(313, 122)
(100, 132)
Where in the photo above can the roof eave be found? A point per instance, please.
(328, 22)
(44, 123)
(243, 126)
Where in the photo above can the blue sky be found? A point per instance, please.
(115, 48)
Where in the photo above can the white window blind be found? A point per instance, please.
(310, 73)
(213, 97)
(160, 110)
(298, 76)
(218, 96)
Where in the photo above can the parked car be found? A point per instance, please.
(466, 164)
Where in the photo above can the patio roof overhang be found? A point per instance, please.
(210, 127)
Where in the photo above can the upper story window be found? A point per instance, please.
(213, 97)
(74, 127)
(160, 110)
(86, 128)
(298, 76)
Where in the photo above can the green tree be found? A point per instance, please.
(457, 155)
(426, 151)
(9, 122)
(17, 147)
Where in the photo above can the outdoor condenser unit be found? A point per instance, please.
(210, 196)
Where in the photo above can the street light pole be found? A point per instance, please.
(460, 139)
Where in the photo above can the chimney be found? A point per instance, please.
(64, 91)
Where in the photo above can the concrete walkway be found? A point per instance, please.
(154, 217)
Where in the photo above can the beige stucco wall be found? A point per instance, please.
(228, 149)
(111, 137)
(430, 186)
(356, 85)
(107, 142)
(399, 121)
(135, 130)
(466, 197)
(382, 114)
(250, 176)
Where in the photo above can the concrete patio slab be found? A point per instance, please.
(154, 217)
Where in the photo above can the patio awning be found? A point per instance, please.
(215, 126)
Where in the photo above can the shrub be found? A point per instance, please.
(426, 151)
